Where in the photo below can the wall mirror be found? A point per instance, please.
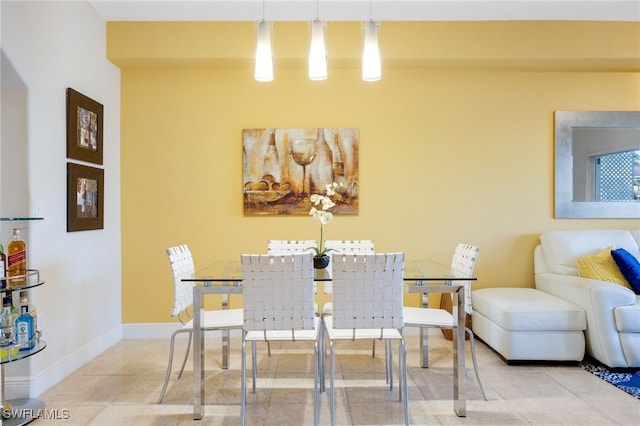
(597, 164)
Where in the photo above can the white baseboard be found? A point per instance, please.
(28, 386)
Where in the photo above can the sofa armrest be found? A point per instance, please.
(598, 299)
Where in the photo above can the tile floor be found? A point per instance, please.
(121, 387)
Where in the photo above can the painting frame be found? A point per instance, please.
(85, 198)
(84, 128)
(284, 167)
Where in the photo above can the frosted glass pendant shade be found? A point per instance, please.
(264, 56)
(317, 52)
(371, 66)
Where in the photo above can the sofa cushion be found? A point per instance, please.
(527, 309)
(628, 317)
(629, 266)
(602, 267)
(562, 248)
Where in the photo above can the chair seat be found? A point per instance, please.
(361, 333)
(222, 318)
(427, 317)
(282, 335)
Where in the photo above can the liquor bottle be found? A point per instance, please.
(6, 322)
(17, 261)
(30, 308)
(3, 272)
(25, 330)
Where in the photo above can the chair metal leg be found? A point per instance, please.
(322, 357)
(400, 370)
(390, 363)
(333, 385)
(243, 384)
(254, 359)
(475, 362)
(171, 349)
(186, 355)
(373, 349)
(387, 366)
(405, 383)
(316, 384)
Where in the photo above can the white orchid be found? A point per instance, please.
(322, 214)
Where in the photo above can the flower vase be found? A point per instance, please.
(321, 262)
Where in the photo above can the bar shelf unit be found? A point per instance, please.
(27, 409)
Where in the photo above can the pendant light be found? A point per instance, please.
(264, 56)
(317, 50)
(371, 62)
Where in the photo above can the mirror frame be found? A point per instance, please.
(565, 207)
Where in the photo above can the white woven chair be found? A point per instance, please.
(278, 306)
(344, 247)
(462, 264)
(292, 247)
(367, 304)
(182, 266)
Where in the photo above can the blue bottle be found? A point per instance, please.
(25, 331)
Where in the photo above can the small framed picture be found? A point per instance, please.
(84, 128)
(85, 198)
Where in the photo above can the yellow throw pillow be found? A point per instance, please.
(601, 267)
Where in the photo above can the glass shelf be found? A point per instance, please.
(12, 353)
(6, 219)
(32, 280)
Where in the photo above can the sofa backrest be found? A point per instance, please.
(559, 250)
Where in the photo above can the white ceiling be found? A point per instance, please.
(356, 10)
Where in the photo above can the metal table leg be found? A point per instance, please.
(424, 336)
(225, 335)
(198, 355)
(459, 396)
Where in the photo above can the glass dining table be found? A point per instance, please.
(422, 276)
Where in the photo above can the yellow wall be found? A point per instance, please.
(456, 140)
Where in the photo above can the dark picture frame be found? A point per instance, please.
(85, 198)
(84, 127)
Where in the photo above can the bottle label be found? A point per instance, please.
(18, 257)
(22, 332)
(17, 266)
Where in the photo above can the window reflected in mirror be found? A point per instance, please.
(605, 164)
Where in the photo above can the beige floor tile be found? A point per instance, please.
(121, 387)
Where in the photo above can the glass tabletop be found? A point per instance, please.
(414, 270)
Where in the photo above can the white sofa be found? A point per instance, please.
(612, 311)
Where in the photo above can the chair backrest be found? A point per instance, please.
(367, 290)
(462, 264)
(278, 292)
(350, 246)
(182, 266)
(346, 247)
(290, 246)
